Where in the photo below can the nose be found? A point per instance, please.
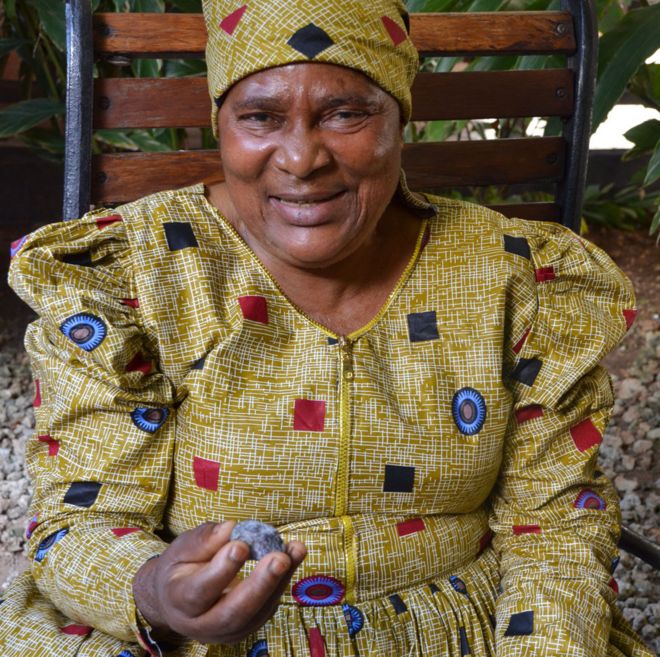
(302, 151)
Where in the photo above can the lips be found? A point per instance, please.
(308, 210)
(306, 199)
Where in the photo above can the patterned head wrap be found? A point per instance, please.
(370, 36)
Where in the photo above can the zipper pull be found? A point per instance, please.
(346, 347)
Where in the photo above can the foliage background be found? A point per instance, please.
(630, 33)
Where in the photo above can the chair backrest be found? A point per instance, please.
(125, 103)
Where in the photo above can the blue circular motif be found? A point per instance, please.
(125, 653)
(469, 410)
(32, 525)
(458, 584)
(318, 591)
(354, 619)
(149, 419)
(87, 331)
(587, 499)
(259, 649)
(48, 543)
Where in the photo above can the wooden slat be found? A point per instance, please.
(492, 94)
(184, 35)
(184, 102)
(488, 33)
(484, 162)
(123, 177)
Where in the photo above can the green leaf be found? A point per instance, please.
(645, 137)
(655, 223)
(146, 68)
(653, 170)
(27, 114)
(46, 140)
(188, 6)
(147, 142)
(178, 68)
(148, 6)
(645, 84)
(116, 139)
(51, 18)
(431, 5)
(622, 51)
(10, 9)
(11, 43)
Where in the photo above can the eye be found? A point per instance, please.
(258, 119)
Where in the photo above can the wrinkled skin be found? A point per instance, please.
(330, 137)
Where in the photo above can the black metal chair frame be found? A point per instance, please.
(576, 132)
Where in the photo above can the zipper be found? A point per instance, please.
(346, 377)
(345, 382)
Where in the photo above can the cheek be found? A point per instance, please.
(243, 158)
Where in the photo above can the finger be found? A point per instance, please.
(236, 610)
(297, 552)
(198, 590)
(200, 544)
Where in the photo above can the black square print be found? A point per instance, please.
(517, 245)
(179, 235)
(399, 479)
(520, 624)
(527, 370)
(82, 493)
(423, 326)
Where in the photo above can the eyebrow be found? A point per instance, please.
(270, 103)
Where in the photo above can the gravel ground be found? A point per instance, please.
(630, 455)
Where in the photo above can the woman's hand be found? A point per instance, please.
(190, 590)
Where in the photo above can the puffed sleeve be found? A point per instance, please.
(554, 515)
(101, 456)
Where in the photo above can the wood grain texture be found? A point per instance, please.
(124, 177)
(488, 33)
(184, 102)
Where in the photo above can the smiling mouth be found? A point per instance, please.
(306, 201)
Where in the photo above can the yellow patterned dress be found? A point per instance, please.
(439, 463)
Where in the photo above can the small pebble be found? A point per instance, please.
(262, 538)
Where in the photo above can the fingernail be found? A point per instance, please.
(237, 553)
(278, 567)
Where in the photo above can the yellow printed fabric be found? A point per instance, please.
(370, 37)
(440, 463)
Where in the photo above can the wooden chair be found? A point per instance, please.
(127, 103)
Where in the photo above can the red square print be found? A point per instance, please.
(544, 274)
(103, 222)
(629, 315)
(411, 526)
(585, 435)
(519, 345)
(139, 364)
(206, 473)
(526, 529)
(76, 630)
(309, 415)
(254, 308)
(37, 394)
(124, 531)
(527, 413)
(53, 445)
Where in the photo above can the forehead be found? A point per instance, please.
(316, 82)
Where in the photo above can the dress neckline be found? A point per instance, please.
(354, 335)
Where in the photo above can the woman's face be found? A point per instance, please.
(311, 155)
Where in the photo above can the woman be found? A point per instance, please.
(391, 379)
